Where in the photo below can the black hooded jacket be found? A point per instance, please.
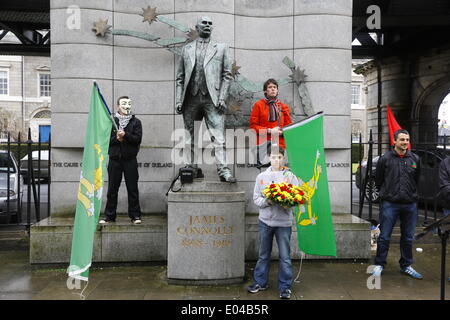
(129, 147)
(397, 177)
(444, 183)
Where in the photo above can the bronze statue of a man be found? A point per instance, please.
(203, 78)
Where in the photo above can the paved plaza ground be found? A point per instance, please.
(319, 279)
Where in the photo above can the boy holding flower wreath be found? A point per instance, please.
(275, 194)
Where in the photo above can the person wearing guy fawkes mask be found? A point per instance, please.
(123, 149)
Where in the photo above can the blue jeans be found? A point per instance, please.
(283, 237)
(389, 212)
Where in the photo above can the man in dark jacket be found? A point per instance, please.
(123, 149)
(397, 175)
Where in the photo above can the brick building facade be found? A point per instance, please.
(25, 96)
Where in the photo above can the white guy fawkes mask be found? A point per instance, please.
(125, 106)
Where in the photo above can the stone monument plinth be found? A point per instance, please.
(206, 234)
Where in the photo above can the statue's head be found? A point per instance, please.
(204, 27)
(124, 104)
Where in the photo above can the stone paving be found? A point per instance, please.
(319, 280)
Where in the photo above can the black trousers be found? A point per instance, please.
(129, 169)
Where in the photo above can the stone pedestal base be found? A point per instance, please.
(206, 234)
(122, 241)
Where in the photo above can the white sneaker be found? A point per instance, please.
(105, 220)
(137, 221)
(377, 270)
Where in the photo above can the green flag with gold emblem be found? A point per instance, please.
(305, 150)
(89, 194)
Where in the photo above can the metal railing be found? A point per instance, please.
(430, 154)
(19, 168)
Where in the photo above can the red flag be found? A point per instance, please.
(393, 126)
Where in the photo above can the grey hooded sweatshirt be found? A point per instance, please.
(273, 215)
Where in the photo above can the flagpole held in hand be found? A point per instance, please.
(109, 112)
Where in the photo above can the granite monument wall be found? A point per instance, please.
(315, 34)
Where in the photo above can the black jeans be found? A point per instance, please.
(129, 169)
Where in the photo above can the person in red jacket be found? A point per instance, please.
(269, 116)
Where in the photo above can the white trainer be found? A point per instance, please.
(377, 270)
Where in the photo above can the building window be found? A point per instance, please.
(355, 94)
(45, 84)
(356, 130)
(3, 82)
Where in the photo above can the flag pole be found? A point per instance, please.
(106, 105)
